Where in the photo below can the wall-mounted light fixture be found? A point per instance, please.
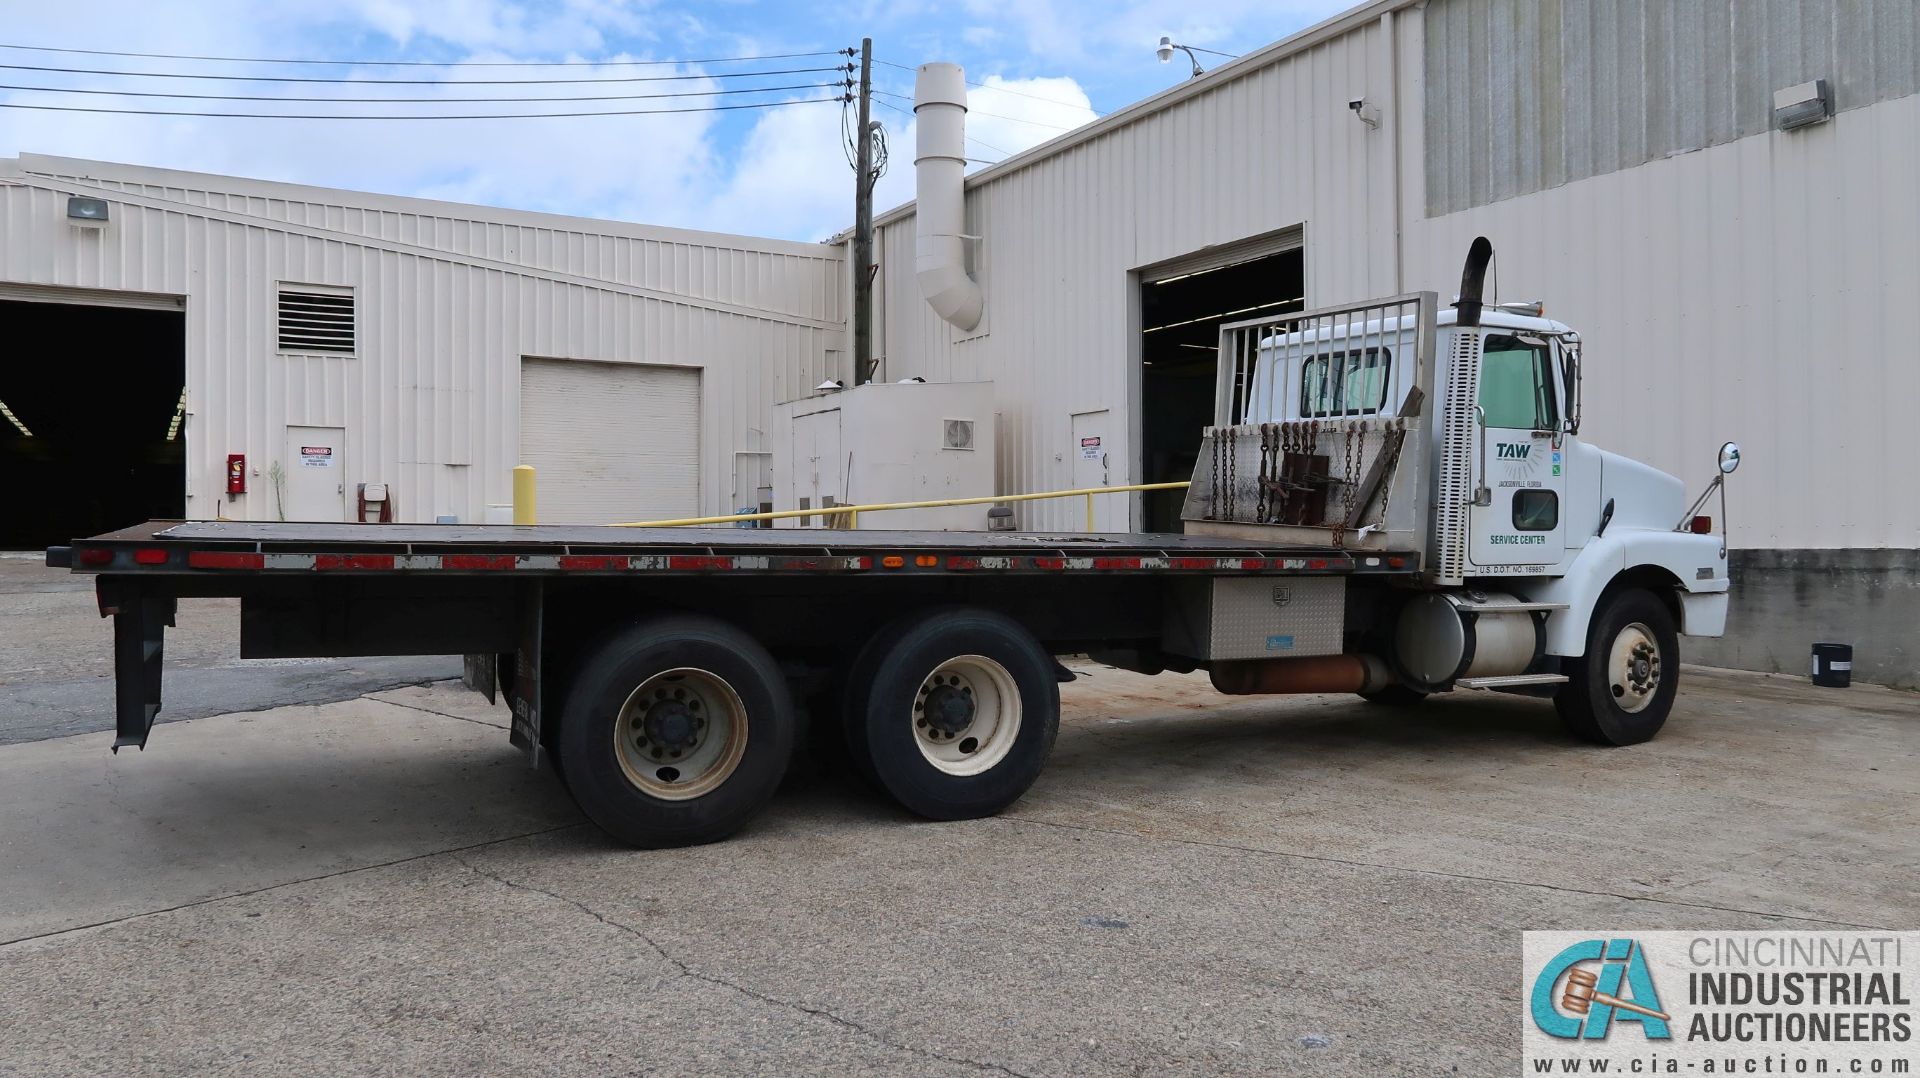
(1168, 45)
(1799, 106)
(87, 212)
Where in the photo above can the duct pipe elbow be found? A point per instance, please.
(952, 294)
(939, 164)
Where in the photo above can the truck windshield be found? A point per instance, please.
(1516, 384)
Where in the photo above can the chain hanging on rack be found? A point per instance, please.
(1231, 469)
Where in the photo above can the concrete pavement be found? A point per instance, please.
(1197, 885)
(56, 660)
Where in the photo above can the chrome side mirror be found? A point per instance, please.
(1729, 457)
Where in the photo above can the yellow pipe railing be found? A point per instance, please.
(852, 512)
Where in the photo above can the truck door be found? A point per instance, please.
(1519, 457)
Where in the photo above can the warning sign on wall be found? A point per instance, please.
(316, 456)
(1090, 448)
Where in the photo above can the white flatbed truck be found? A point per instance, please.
(1395, 501)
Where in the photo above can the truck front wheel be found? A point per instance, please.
(675, 732)
(953, 712)
(1621, 690)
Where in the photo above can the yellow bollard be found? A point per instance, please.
(1089, 512)
(523, 494)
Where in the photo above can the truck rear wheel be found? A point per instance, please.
(953, 712)
(1621, 690)
(676, 732)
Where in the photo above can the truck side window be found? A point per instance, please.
(1516, 385)
(1535, 510)
(1344, 383)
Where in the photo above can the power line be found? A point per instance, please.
(426, 63)
(995, 115)
(969, 138)
(422, 82)
(1000, 89)
(418, 100)
(440, 116)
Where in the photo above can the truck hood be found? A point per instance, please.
(1643, 497)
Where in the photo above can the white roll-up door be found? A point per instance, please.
(611, 441)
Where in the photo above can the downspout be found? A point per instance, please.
(939, 165)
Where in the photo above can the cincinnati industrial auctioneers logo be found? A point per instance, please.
(1721, 1003)
(1572, 998)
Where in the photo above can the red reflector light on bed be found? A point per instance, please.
(225, 559)
(1116, 563)
(476, 561)
(1701, 525)
(699, 561)
(149, 555)
(1049, 563)
(96, 556)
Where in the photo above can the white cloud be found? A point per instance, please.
(1006, 116)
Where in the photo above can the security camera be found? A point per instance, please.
(1365, 112)
(1358, 103)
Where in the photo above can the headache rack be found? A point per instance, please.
(1320, 428)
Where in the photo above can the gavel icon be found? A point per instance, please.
(1582, 994)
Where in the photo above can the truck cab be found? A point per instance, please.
(1456, 431)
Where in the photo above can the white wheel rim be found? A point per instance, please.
(966, 715)
(681, 734)
(1633, 668)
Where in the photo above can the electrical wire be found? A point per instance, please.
(999, 89)
(436, 116)
(422, 82)
(976, 141)
(428, 63)
(416, 100)
(996, 115)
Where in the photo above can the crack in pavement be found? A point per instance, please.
(688, 971)
(427, 710)
(1442, 873)
(213, 899)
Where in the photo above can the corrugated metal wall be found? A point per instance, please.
(1524, 95)
(1062, 235)
(1765, 290)
(449, 299)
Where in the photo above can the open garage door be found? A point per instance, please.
(611, 441)
(1183, 304)
(92, 432)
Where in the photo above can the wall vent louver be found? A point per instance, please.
(315, 321)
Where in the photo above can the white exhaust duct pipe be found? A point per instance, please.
(940, 165)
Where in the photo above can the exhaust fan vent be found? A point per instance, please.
(312, 321)
(959, 434)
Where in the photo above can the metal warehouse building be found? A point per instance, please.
(1719, 195)
(1731, 278)
(338, 343)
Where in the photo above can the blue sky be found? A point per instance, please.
(1045, 66)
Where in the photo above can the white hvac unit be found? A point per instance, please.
(887, 442)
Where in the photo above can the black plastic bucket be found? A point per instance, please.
(1833, 665)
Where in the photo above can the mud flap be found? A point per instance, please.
(481, 673)
(523, 689)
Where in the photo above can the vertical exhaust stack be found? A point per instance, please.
(939, 166)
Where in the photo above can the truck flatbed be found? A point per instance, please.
(167, 547)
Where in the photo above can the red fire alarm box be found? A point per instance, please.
(236, 473)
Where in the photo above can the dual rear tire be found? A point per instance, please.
(677, 730)
(952, 713)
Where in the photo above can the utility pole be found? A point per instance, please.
(863, 225)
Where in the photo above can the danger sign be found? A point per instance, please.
(316, 456)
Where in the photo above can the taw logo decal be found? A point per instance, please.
(1509, 451)
(1582, 991)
